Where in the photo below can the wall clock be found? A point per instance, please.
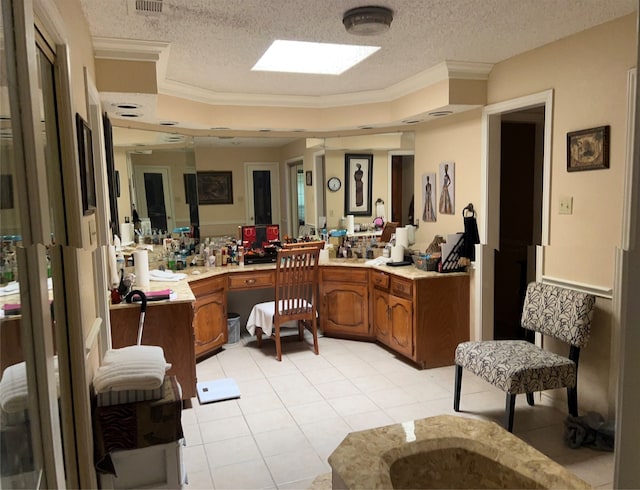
(334, 184)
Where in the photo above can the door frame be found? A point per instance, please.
(319, 190)
(489, 224)
(138, 188)
(390, 155)
(274, 169)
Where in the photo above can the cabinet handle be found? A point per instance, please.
(249, 281)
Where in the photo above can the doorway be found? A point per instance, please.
(153, 196)
(535, 108)
(262, 191)
(520, 210)
(402, 189)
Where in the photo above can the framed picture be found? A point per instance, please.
(215, 187)
(309, 177)
(358, 180)
(588, 149)
(429, 185)
(85, 159)
(446, 205)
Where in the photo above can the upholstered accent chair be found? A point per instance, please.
(519, 366)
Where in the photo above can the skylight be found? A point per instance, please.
(312, 58)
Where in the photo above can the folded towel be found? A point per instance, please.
(12, 288)
(157, 275)
(137, 367)
(14, 391)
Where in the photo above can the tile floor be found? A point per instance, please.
(292, 414)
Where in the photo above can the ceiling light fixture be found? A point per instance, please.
(440, 113)
(367, 21)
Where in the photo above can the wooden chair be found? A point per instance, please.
(519, 366)
(295, 296)
(319, 244)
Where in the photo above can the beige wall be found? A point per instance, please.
(588, 74)
(224, 219)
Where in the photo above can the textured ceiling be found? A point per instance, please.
(214, 43)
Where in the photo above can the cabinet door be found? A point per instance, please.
(210, 322)
(345, 309)
(210, 314)
(401, 320)
(380, 316)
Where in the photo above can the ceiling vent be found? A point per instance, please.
(148, 6)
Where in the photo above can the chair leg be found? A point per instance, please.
(314, 332)
(301, 330)
(276, 331)
(530, 399)
(457, 388)
(259, 336)
(510, 408)
(572, 399)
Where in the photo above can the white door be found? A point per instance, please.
(153, 195)
(262, 188)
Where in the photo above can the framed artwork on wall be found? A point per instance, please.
(429, 213)
(588, 149)
(358, 184)
(85, 160)
(446, 204)
(215, 187)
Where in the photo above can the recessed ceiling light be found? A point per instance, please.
(440, 113)
(299, 130)
(127, 114)
(220, 128)
(312, 58)
(127, 105)
(264, 130)
(365, 127)
(411, 121)
(168, 123)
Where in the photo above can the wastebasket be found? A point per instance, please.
(233, 326)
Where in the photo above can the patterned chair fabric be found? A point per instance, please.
(559, 312)
(518, 366)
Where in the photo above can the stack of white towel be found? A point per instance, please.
(138, 367)
(14, 391)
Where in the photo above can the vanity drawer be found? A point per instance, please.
(343, 274)
(401, 287)
(380, 279)
(252, 280)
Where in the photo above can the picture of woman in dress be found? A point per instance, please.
(446, 196)
(357, 175)
(429, 211)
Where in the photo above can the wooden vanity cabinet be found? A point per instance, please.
(423, 319)
(210, 314)
(392, 312)
(344, 302)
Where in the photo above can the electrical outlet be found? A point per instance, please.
(566, 205)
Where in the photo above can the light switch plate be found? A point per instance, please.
(566, 205)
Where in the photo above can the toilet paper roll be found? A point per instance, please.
(126, 232)
(402, 237)
(397, 253)
(324, 256)
(114, 278)
(411, 234)
(141, 261)
(350, 224)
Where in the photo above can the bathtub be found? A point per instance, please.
(444, 452)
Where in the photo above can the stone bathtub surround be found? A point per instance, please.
(444, 452)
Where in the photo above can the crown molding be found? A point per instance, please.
(128, 49)
(443, 71)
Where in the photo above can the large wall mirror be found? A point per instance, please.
(251, 180)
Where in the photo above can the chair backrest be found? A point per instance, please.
(318, 244)
(562, 313)
(297, 282)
